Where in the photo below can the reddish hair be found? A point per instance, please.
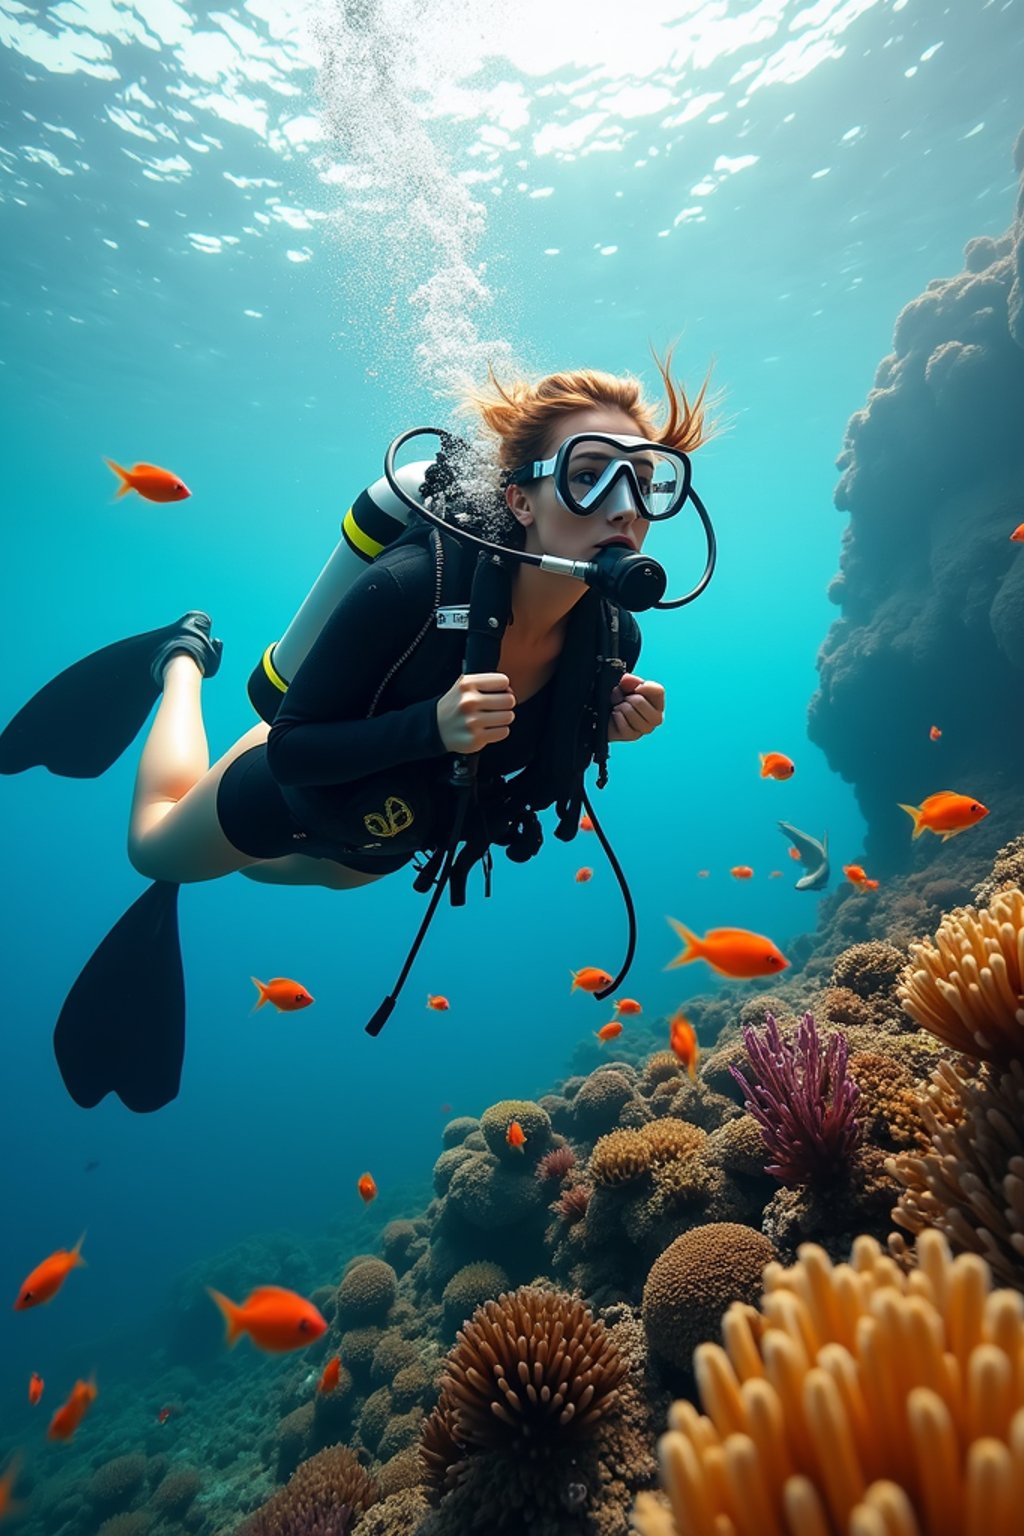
(523, 414)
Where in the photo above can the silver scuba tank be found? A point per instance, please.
(373, 521)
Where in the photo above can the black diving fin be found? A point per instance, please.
(122, 1027)
(78, 724)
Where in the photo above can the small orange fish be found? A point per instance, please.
(47, 1278)
(583, 875)
(8, 1479)
(702, 874)
(586, 825)
(742, 872)
(165, 1413)
(730, 951)
(438, 1003)
(628, 1007)
(589, 979)
(367, 1187)
(151, 482)
(332, 1373)
(286, 995)
(275, 1318)
(1018, 534)
(776, 765)
(609, 1031)
(934, 733)
(794, 853)
(71, 1413)
(946, 814)
(515, 1136)
(35, 1388)
(682, 1038)
(775, 874)
(854, 873)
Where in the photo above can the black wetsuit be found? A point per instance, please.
(338, 727)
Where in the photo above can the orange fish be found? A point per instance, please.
(589, 979)
(583, 875)
(275, 1319)
(586, 825)
(1018, 534)
(47, 1278)
(164, 1414)
(515, 1136)
(702, 874)
(682, 1038)
(854, 873)
(71, 1413)
(776, 765)
(946, 814)
(332, 1373)
(934, 733)
(609, 1031)
(794, 853)
(8, 1478)
(439, 1004)
(775, 874)
(628, 1007)
(286, 996)
(151, 482)
(870, 885)
(367, 1187)
(35, 1388)
(742, 872)
(730, 951)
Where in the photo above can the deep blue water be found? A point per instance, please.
(198, 293)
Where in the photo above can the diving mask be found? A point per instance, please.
(613, 473)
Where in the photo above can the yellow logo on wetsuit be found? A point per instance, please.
(397, 818)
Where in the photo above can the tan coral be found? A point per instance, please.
(859, 1401)
(868, 969)
(970, 1182)
(888, 1108)
(968, 987)
(666, 1140)
(619, 1157)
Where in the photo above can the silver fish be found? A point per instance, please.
(813, 856)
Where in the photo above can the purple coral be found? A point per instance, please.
(803, 1101)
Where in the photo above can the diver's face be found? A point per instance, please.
(552, 529)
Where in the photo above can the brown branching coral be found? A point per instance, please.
(968, 987)
(858, 1400)
(572, 1203)
(970, 1183)
(533, 1370)
(322, 1498)
(441, 1456)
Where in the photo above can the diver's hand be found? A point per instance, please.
(638, 708)
(478, 708)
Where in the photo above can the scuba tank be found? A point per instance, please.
(375, 519)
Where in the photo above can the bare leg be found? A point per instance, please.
(299, 869)
(174, 832)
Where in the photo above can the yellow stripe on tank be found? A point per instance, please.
(359, 540)
(272, 674)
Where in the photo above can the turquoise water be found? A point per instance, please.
(189, 279)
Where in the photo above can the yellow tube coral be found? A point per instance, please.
(858, 1401)
(968, 987)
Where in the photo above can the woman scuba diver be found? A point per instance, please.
(493, 628)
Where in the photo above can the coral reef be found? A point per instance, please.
(803, 1101)
(929, 585)
(969, 1183)
(857, 1399)
(322, 1498)
(366, 1293)
(967, 988)
(692, 1283)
